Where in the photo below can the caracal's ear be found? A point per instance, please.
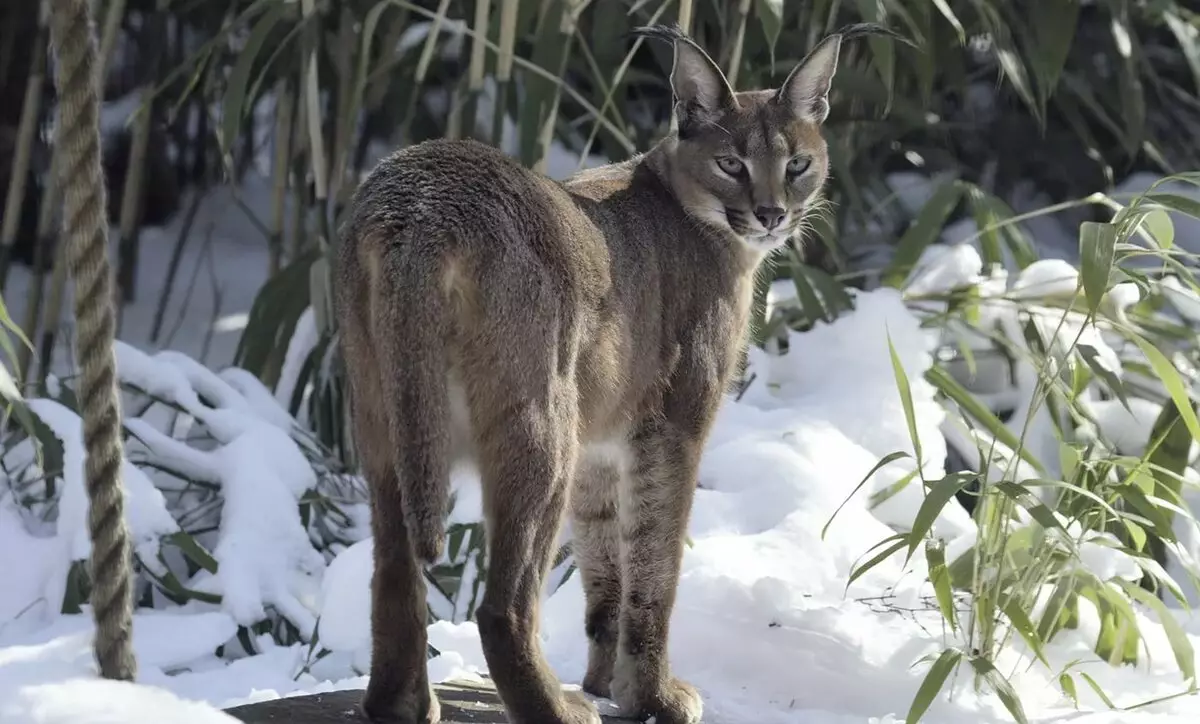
(701, 90)
(806, 90)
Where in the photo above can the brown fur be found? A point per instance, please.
(574, 340)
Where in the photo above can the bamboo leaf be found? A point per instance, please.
(886, 460)
(1023, 626)
(1170, 444)
(1067, 684)
(1186, 35)
(1176, 202)
(1091, 357)
(932, 684)
(924, 231)
(939, 577)
(947, 385)
(1181, 645)
(236, 96)
(1002, 687)
(1170, 379)
(891, 544)
(770, 16)
(902, 386)
(1096, 249)
(936, 498)
(1160, 226)
(1053, 24)
(1099, 691)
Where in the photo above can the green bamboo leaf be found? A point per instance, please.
(1037, 510)
(932, 684)
(1160, 226)
(1099, 691)
(886, 460)
(936, 498)
(272, 320)
(947, 385)
(1096, 242)
(810, 303)
(883, 53)
(944, 8)
(902, 386)
(1176, 202)
(193, 550)
(236, 96)
(770, 16)
(1091, 357)
(939, 577)
(1185, 35)
(1153, 513)
(1053, 24)
(924, 231)
(893, 544)
(1002, 687)
(1067, 684)
(1023, 626)
(1181, 645)
(987, 220)
(1170, 445)
(834, 299)
(879, 497)
(1118, 640)
(1170, 379)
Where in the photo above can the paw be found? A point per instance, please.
(412, 709)
(598, 684)
(671, 701)
(579, 709)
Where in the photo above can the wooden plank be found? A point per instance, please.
(463, 702)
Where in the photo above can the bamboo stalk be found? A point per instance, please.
(685, 15)
(108, 36)
(504, 66)
(616, 83)
(37, 287)
(173, 265)
(422, 69)
(566, 29)
(377, 85)
(312, 99)
(31, 109)
(58, 284)
(476, 66)
(296, 168)
(279, 170)
(739, 39)
(343, 129)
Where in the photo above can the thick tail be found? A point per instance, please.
(409, 336)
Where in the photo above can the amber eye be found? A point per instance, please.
(798, 165)
(731, 165)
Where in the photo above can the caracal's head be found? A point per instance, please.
(750, 163)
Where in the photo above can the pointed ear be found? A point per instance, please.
(806, 90)
(701, 90)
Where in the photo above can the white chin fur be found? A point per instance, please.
(765, 242)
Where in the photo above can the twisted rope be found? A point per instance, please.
(73, 39)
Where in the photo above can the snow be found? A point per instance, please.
(762, 582)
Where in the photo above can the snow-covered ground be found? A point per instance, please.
(761, 586)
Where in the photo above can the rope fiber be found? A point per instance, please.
(85, 228)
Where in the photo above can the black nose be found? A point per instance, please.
(769, 216)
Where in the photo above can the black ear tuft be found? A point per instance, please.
(701, 90)
(806, 90)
